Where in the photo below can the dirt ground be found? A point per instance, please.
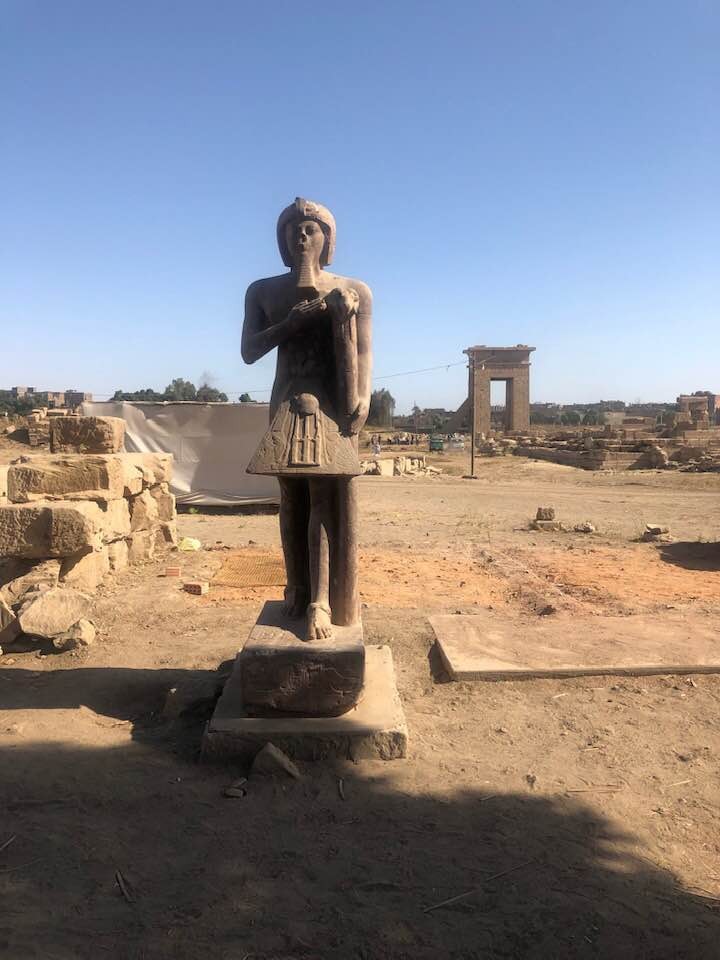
(579, 816)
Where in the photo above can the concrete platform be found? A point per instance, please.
(374, 729)
(493, 647)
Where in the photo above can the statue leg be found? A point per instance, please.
(294, 516)
(344, 595)
(319, 536)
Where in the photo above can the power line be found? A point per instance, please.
(387, 376)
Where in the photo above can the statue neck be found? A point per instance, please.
(307, 273)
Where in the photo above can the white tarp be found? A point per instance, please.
(211, 443)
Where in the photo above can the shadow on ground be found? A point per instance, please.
(692, 556)
(293, 870)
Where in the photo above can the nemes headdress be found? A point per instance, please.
(307, 210)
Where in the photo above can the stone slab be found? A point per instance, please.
(279, 670)
(87, 434)
(374, 729)
(493, 647)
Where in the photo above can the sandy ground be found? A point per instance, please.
(581, 815)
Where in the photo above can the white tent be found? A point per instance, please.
(211, 443)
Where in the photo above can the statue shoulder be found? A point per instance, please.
(259, 290)
(347, 283)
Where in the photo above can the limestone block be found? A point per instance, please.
(155, 467)
(84, 571)
(141, 546)
(42, 530)
(9, 626)
(19, 576)
(386, 468)
(87, 434)
(73, 477)
(166, 534)
(143, 512)
(53, 612)
(110, 517)
(165, 501)
(118, 555)
(3, 484)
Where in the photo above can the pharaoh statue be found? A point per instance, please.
(321, 325)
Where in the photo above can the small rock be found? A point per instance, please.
(236, 789)
(80, 634)
(270, 761)
(547, 610)
(585, 527)
(531, 780)
(545, 513)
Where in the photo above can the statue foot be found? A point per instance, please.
(319, 626)
(296, 600)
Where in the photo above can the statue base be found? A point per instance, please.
(279, 672)
(374, 729)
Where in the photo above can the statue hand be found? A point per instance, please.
(357, 420)
(304, 311)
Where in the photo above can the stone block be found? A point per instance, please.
(87, 434)
(143, 512)
(279, 671)
(155, 467)
(141, 546)
(166, 534)
(110, 517)
(374, 729)
(85, 570)
(42, 530)
(53, 612)
(64, 478)
(386, 468)
(166, 509)
(118, 555)
(80, 634)
(19, 576)
(9, 626)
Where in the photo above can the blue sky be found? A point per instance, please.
(501, 172)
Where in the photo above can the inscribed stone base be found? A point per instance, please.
(374, 729)
(279, 671)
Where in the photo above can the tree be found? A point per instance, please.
(382, 408)
(208, 394)
(246, 398)
(571, 418)
(180, 389)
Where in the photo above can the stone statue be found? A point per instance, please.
(321, 325)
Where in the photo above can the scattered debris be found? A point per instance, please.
(197, 587)
(656, 533)
(125, 887)
(271, 761)
(236, 789)
(80, 634)
(188, 544)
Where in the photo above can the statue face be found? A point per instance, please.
(303, 239)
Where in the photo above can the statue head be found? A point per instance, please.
(308, 227)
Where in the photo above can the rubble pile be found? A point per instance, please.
(593, 452)
(67, 521)
(397, 466)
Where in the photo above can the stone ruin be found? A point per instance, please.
(68, 520)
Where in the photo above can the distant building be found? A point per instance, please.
(73, 398)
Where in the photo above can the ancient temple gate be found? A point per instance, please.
(511, 364)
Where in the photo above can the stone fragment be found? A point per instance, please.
(549, 526)
(270, 761)
(85, 570)
(154, 467)
(41, 530)
(87, 434)
(656, 532)
(545, 513)
(118, 555)
(9, 626)
(53, 612)
(165, 501)
(166, 534)
(80, 634)
(585, 527)
(143, 511)
(385, 468)
(67, 478)
(141, 546)
(3, 484)
(19, 576)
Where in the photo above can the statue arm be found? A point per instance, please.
(364, 349)
(258, 338)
